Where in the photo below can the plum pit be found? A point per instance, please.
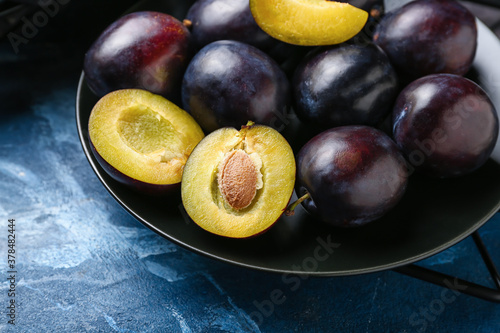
(238, 179)
(238, 183)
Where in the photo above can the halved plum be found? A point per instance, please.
(238, 183)
(142, 139)
(308, 22)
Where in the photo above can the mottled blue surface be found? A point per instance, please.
(84, 264)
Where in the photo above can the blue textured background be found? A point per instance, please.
(84, 264)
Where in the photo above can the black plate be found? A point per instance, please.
(432, 216)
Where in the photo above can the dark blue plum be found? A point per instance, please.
(429, 36)
(213, 20)
(445, 124)
(229, 83)
(376, 10)
(345, 85)
(365, 4)
(353, 174)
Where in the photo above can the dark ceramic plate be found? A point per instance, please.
(433, 215)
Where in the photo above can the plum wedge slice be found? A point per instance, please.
(308, 22)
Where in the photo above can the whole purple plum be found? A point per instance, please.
(429, 36)
(445, 124)
(144, 50)
(351, 175)
(213, 20)
(345, 85)
(229, 83)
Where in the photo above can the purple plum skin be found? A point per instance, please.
(353, 174)
(229, 83)
(152, 190)
(445, 124)
(429, 36)
(345, 85)
(366, 5)
(214, 20)
(144, 50)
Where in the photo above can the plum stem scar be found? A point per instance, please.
(290, 210)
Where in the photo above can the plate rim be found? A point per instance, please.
(410, 260)
(347, 272)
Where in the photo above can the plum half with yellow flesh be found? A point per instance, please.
(238, 183)
(142, 139)
(308, 22)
